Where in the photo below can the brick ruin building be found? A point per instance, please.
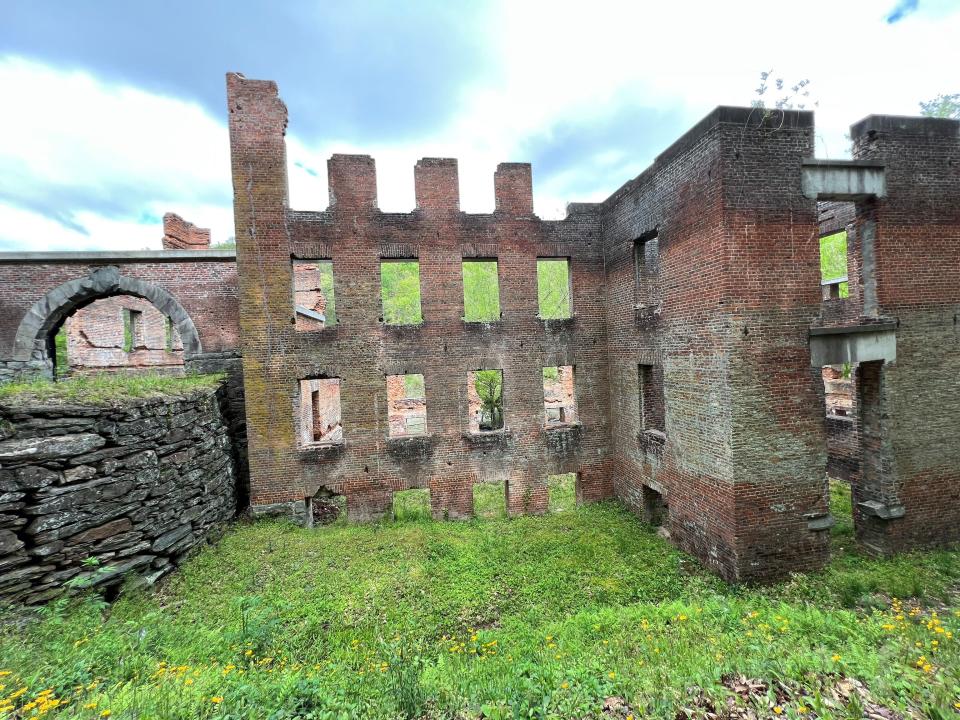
(705, 374)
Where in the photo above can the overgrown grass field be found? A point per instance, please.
(584, 613)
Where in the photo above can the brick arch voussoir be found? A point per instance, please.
(53, 308)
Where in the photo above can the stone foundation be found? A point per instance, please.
(89, 494)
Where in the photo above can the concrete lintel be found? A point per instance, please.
(855, 345)
(882, 510)
(116, 257)
(312, 314)
(843, 180)
(851, 329)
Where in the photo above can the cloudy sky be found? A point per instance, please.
(113, 111)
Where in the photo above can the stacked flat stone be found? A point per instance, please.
(135, 486)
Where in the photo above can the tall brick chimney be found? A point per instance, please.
(178, 234)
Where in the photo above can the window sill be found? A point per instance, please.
(318, 451)
(558, 323)
(411, 447)
(482, 323)
(489, 438)
(651, 441)
(563, 427)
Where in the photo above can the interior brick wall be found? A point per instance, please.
(95, 338)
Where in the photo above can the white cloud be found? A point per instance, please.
(72, 139)
(559, 63)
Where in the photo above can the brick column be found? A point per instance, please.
(258, 121)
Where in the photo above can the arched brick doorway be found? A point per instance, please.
(34, 338)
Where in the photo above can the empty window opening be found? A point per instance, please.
(411, 505)
(320, 419)
(559, 398)
(554, 294)
(655, 510)
(646, 269)
(562, 492)
(313, 298)
(833, 266)
(400, 292)
(132, 330)
(481, 291)
(406, 405)
(485, 399)
(651, 398)
(838, 390)
(327, 507)
(490, 500)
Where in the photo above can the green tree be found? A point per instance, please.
(489, 386)
(400, 292)
(942, 106)
(833, 259)
(553, 288)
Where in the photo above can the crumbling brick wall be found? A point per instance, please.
(696, 290)
(178, 234)
(362, 351)
(722, 318)
(913, 266)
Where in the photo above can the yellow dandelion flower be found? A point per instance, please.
(802, 709)
(90, 706)
(248, 653)
(836, 658)
(612, 675)
(564, 686)
(217, 699)
(188, 681)
(106, 713)
(4, 673)
(777, 710)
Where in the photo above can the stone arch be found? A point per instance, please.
(52, 309)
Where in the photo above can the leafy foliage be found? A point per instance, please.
(325, 270)
(481, 291)
(60, 343)
(833, 259)
(553, 288)
(788, 97)
(400, 292)
(551, 617)
(942, 106)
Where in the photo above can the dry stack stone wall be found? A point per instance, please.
(135, 486)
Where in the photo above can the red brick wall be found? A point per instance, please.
(362, 351)
(741, 463)
(206, 289)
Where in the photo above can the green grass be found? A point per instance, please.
(104, 389)
(532, 617)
